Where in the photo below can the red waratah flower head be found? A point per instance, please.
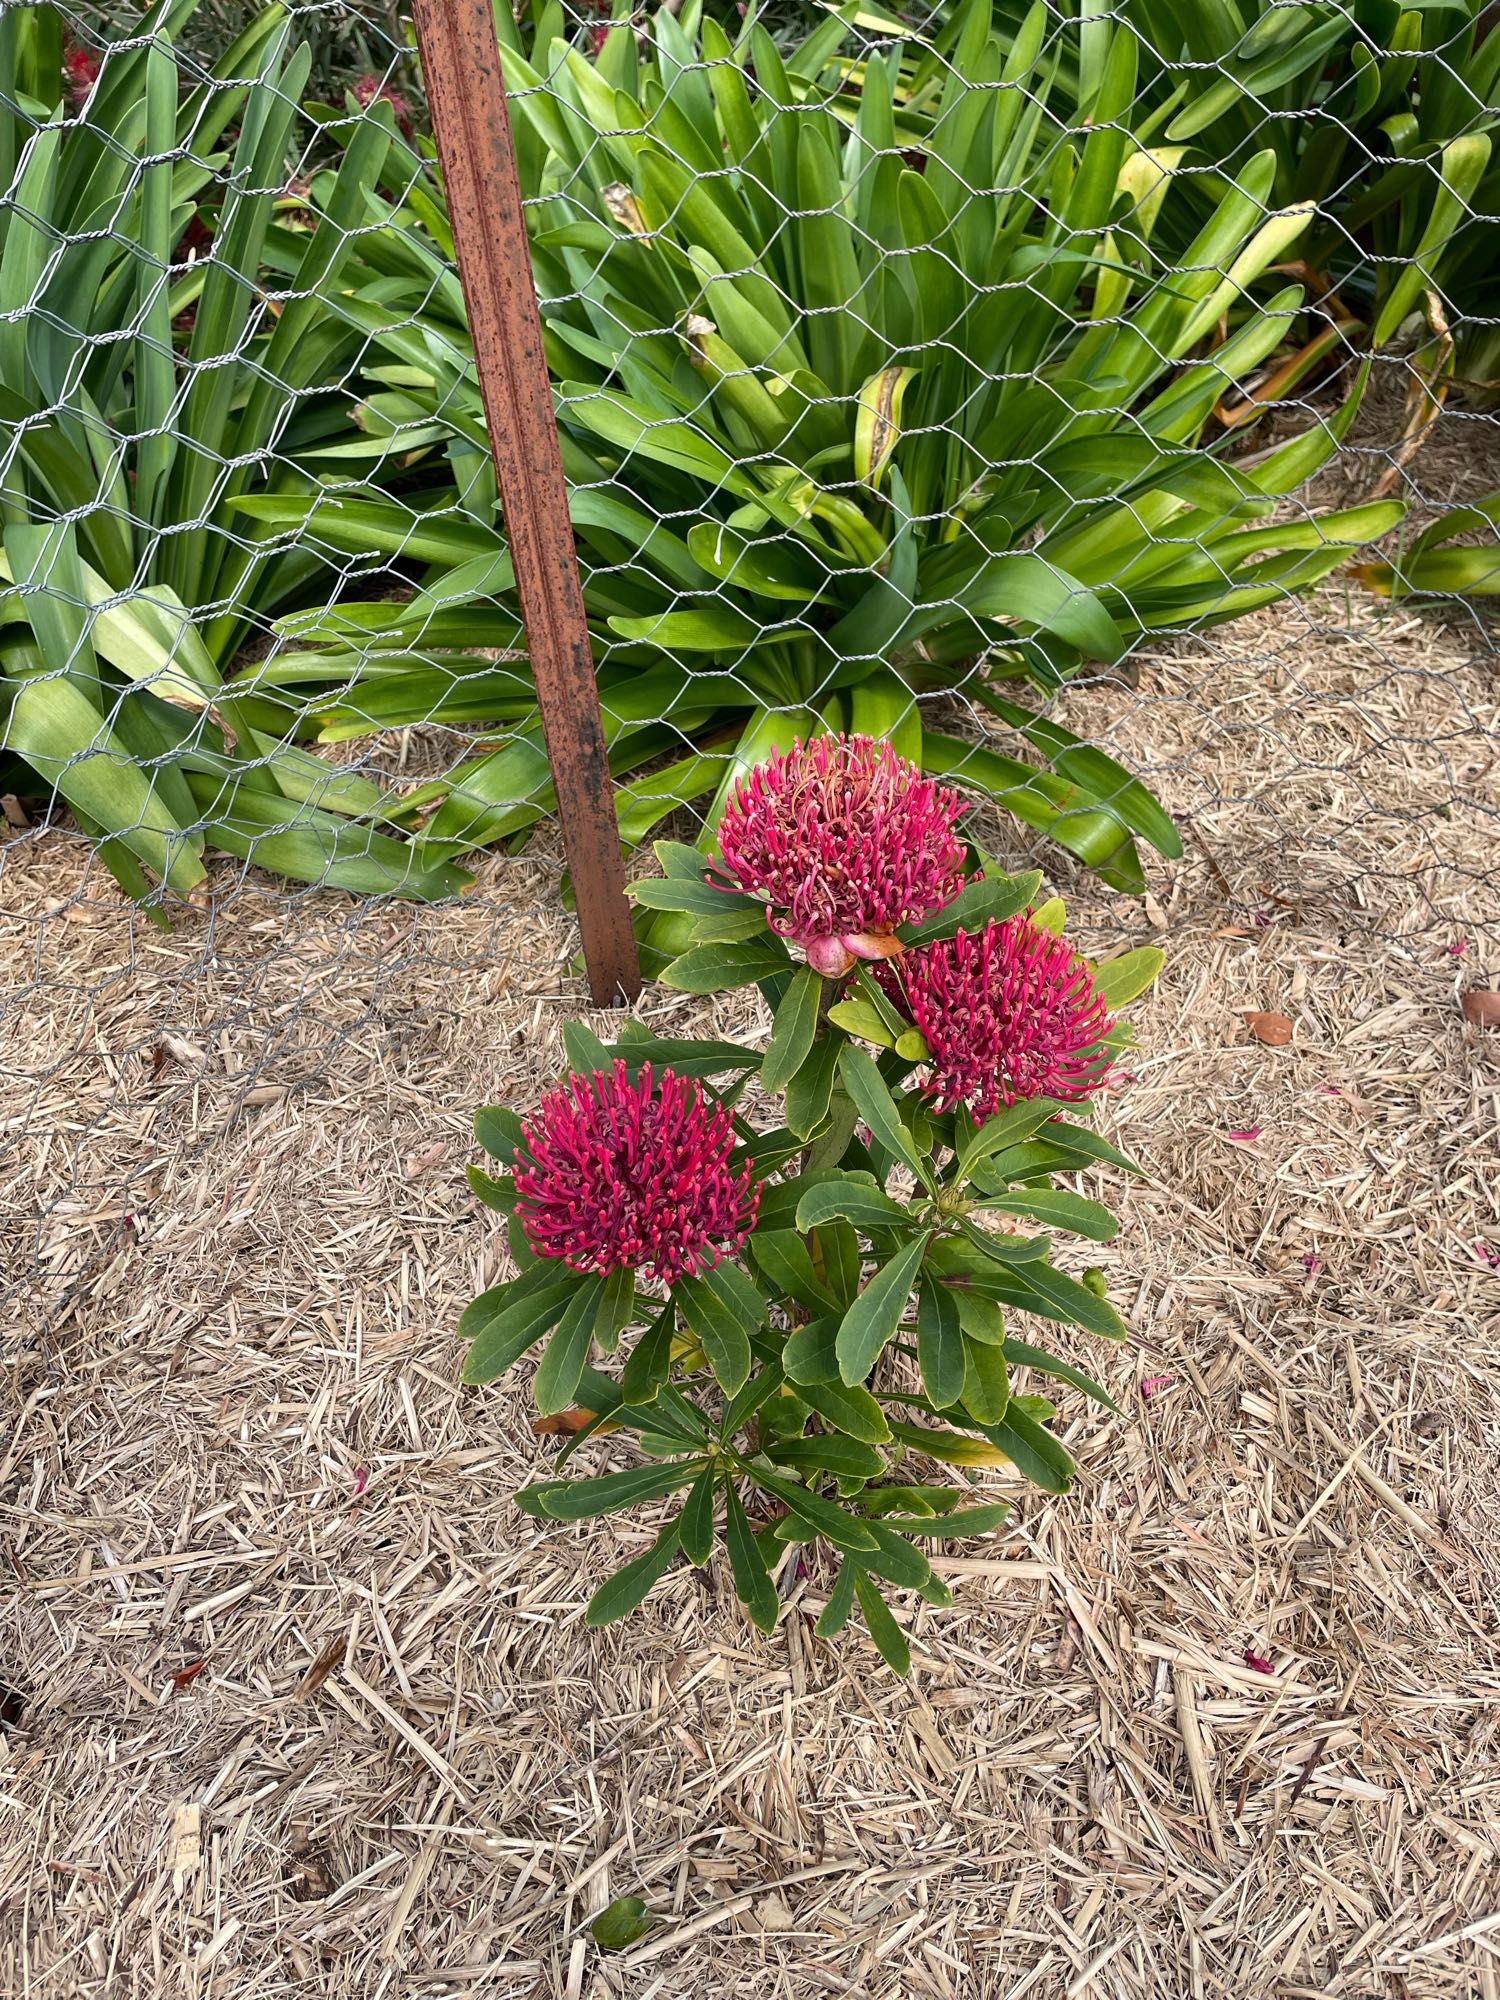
(82, 67)
(366, 89)
(617, 1175)
(1008, 1013)
(845, 840)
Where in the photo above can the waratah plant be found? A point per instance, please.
(796, 1286)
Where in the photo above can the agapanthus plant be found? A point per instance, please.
(802, 1237)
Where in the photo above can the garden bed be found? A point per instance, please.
(1220, 1722)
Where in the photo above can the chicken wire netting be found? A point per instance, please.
(1099, 405)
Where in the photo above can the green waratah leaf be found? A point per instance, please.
(890, 1640)
(723, 1308)
(1059, 1208)
(848, 1408)
(713, 968)
(940, 1343)
(795, 1027)
(810, 1091)
(495, 1194)
(1004, 1129)
(811, 1352)
(498, 1130)
(1021, 1354)
(622, 1592)
(696, 1522)
(504, 1321)
(1070, 1300)
(752, 1581)
(1032, 1449)
(835, 1613)
(829, 1452)
(857, 1198)
(895, 1559)
(568, 1349)
(1123, 979)
(986, 1390)
(990, 899)
(858, 1017)
(872, 1320)
(587, 1499)
(872, 1098)
(840, 1527)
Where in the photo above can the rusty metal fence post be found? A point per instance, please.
(471, 124)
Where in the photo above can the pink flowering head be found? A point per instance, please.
(369, 89)
(845, 840)
(82, 67)
(1007, 1013)
(613, 1175)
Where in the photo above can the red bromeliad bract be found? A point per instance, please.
(618, 1175)
(845, 840)
(1009, 1012)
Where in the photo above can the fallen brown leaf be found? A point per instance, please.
(1275, 1030)
(331, 1656)
(1482, 1009)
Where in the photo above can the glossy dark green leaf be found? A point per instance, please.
(714, 968)
(890, 1640)
(868, 1088)
(696, 1522)
(500, 1195)
(835, 1613)
(752, 1581)
(622, 1592)
(832, 1453)
(856, 1197)
(940, 1343)
(1032, 1449)
(1021, 1354)
(503, 1322)
(986, 1390)
(872, 1320)
(795, 1026)
(811, 1351)
(848, 1408)
(557, 1377)
(809, 1092)
(586, 1499)
(840, 1527)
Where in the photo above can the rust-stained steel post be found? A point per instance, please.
(470, 121)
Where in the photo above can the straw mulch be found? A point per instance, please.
(297, 1702)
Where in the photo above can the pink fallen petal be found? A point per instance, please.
(1487, 1253)
(361, 1480)
(1154, 1384)
(1247, 1133)
(1332, 1090)
(1458, 947)
(1311, 1263)
(1258, 1662)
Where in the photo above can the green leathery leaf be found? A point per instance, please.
(696, 1523)
(752, 1580)
(890, 1640)
(627, 1588)
(795, 1028)
(872, 1320)
(568, 1349)
(940, 1343)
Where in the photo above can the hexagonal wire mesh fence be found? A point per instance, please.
(1098, 404)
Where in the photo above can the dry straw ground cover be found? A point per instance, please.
(239, 1234)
